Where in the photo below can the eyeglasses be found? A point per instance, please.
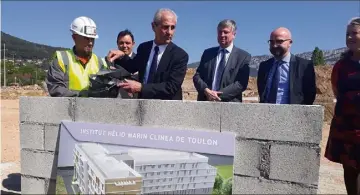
(278, 42)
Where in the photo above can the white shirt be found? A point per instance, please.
(130, 54)
(218, 59)
(160, 53)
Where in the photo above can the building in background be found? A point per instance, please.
(159, 171)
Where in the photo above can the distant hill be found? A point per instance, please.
(25, 50)
(331, 56)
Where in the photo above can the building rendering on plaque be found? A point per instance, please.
(128, 170)
(98, 172)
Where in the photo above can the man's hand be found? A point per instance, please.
(130, 86)
(112, 68)
(114, 54)
(212, 95)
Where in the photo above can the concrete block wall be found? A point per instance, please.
(277, 146)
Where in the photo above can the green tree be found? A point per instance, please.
(27, 74)
(318, 57)
(227, 187)
(218, 182)
(10, 71)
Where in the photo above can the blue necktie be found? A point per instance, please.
(272, 83)
(153, 66)
(219, 71)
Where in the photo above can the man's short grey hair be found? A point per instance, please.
(159, 13)
(227, 23)
(354, 21)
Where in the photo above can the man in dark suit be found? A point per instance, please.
(161, 64)
(125, 42)
(285, 78)
(223, 73)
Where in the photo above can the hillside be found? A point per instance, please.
(331, 56)
(25, 50)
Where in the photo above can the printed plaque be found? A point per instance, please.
(99, 158)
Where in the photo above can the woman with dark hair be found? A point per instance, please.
(343, 145)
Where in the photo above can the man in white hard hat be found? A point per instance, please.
(68, 74)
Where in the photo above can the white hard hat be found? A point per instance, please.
(84, 26)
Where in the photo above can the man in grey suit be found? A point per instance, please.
(223, 72)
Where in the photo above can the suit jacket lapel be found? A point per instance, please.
(213, 63)
(230, 65)
(147, 52)
(269, 67)
(292, 75)
(267, 70)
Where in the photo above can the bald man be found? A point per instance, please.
(285, 78)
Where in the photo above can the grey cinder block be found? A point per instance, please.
(51, 137)
(251, 185)
(107, 110)
(181, 114)
(45, 109)
(31, 185)
(32, 136)
(38, 163)
(247, 158)
(273, 122)
(294, 163)
(265, 166)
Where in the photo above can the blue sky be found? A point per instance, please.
(320, 23)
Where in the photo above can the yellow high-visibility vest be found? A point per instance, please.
(78, 75)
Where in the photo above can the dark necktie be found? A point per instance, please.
(153, 66)
(220, 70)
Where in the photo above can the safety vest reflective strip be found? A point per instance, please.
(60, 60)
(78, 76)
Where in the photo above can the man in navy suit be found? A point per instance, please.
(161, 63)
(285, 78)
(223, 72)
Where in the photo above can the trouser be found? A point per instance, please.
(352, 180)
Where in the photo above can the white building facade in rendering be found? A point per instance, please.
(97, 172)
(169, 172)
(142, 170)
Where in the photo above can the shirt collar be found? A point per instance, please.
(229, 48)
(78, 58)
(286, 58)
(161, 47)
